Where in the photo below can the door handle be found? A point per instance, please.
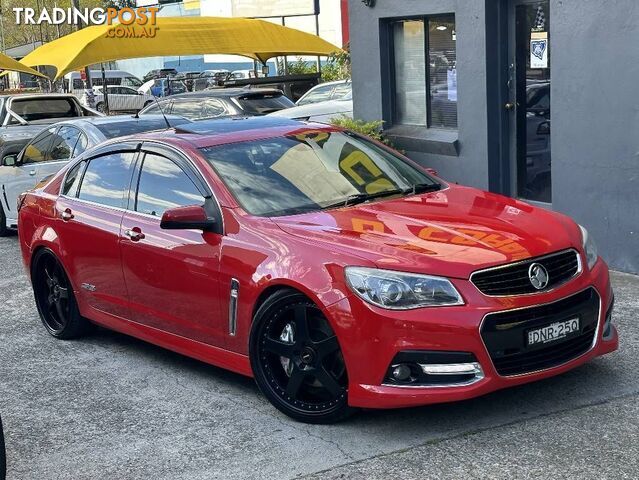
(66, 215)
(134, 234)
(32, 172)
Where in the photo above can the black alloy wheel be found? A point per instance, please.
(297, 361)
(54, 297)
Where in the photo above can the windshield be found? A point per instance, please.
(310, 171)
(131, 127)
(263, 103)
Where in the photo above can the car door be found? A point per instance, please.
(22, 177)
(91, 205)
(131, 99)
(171, 275)
(116, 101)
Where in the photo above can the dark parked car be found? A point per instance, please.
(22, 116)
(222, 102)
(160, 73)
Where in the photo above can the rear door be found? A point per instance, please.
(172, 276)
(92, 203)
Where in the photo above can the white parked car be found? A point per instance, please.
(52, 148)
(121, 99)
(322, 112)
(324, 92)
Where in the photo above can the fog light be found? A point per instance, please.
(401, 372)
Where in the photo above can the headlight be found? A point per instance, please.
(589, 247)
(401, 291)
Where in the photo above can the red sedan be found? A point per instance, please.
(335, 271)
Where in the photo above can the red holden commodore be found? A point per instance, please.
(332, 269)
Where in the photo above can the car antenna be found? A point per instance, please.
(168, 125)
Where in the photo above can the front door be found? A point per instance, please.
(172, 276)
(529, 54)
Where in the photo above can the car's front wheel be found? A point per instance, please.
(297, 361)
(100, 107)
(54, 297)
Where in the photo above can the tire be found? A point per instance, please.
(297, 361)
(4, 231)
(54, 297)
(100, 108)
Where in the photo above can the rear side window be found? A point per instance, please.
(319, 94)
(72, 180)
(163, 185)
(106, 179)
(64, 143)
(263, 103)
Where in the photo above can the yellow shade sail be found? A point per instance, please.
(257, 39)
(9, 64)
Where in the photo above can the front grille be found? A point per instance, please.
(505, 334)
(514, 279)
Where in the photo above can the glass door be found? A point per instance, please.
(529, 103)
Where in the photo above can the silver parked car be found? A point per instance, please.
(52, 148)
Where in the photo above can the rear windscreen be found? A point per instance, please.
(32, 109)
(130, 127)
(263, 103)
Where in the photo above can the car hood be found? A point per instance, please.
(452, 232)
(321, 108)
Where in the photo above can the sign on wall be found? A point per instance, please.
(539, 50)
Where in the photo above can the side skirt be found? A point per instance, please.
(219, 357)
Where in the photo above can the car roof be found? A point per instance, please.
(117, 119)
(48, 95)
(220, 131)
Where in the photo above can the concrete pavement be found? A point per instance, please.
(112, 407)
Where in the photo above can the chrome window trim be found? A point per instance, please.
(532, 259)
(534, 372)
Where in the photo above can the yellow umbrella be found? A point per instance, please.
(175, 36)
(9, 64)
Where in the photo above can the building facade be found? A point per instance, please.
(476, 89)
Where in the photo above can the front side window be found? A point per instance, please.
(106, 179)
(72, 180)
(38, 149)
(164, 185)
(425, 70)
(311, 171)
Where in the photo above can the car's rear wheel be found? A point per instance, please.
(54, 297)
(297, 361)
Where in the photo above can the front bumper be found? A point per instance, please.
(371, 337)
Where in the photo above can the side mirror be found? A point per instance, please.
(10, 160)
(184, 218)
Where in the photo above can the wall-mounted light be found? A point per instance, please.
(441, 28)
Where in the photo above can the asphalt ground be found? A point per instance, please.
(112, 407)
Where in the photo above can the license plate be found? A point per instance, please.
(553, 332)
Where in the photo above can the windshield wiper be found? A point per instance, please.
(363, 197)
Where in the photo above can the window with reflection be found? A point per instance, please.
(106, 179)
(310, 171)
(164, 185)
(425, 71)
